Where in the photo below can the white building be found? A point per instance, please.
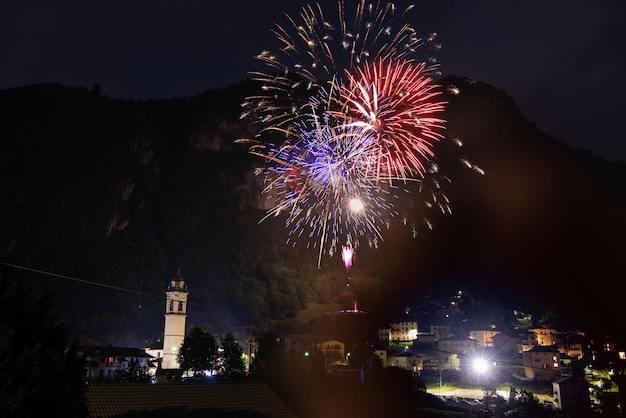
(460, 345)
(175, 320)
(542, 363)
(403, 331)
(155, 350)
(398, 331)
(543, 336)
(406, 360)
(101, 362)
(484, 338)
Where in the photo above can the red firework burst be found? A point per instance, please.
(399, 103)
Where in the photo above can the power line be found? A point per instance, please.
(122, 289)
(48, 273)
(90, 282)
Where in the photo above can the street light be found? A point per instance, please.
(440, 380)
(480, 365)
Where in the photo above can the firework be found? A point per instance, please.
(348, 115)
(397, 103)
(347, 254)
(316, 49)
(315, 180)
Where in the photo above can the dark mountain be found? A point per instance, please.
(106, 199)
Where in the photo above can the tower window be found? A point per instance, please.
(171, 305)
(180, 306)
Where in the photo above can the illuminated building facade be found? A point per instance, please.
(175, 320)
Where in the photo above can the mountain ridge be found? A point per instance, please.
(127, 192)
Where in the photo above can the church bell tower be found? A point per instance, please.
(175, 319)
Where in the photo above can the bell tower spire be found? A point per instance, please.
(175, 319)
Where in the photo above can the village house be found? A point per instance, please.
(406, 360)
(511, 342)
(543, 335)
(440, 331)
(484, 338)
(542, 363)
(398, 331)
(101, 362)
(458, 345)
(571, 394)
(334, 352)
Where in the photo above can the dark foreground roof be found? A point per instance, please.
(180, 400)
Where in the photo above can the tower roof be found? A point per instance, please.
(177, 283)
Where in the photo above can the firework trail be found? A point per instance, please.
(347, 254)
(347, 114)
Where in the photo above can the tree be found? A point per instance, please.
(133, 374)
(392, 390)
(233, 366)
(525, 404)
(198, 351)
(493, 402)
(265, 363)
(39, 374)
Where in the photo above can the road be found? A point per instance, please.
(479, 394)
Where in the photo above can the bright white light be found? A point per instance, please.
(356, 205)
(347, 254)
(480, 365)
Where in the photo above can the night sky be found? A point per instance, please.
(561, 60)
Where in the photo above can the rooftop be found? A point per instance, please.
(246, 399)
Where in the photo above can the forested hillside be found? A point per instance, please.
(125, 193)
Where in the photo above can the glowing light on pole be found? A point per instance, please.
(480, 365)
